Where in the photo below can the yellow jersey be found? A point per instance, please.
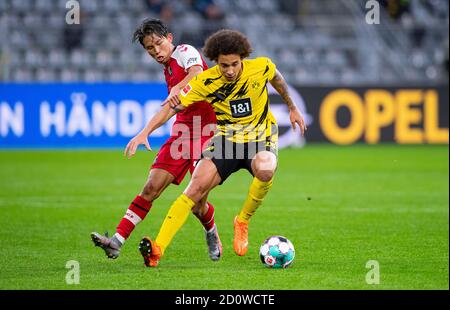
(242, 106)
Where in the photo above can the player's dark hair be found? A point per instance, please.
(227, 42)
(150, 27)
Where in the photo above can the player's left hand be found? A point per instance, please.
(296, 117)
(134, 143)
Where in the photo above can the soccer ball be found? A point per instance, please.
(277, 252)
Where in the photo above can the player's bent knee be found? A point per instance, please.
(264, 163)
(265, 175)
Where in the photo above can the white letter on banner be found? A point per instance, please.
(78, 118)
(49, 119)
(104, 118)
(10, 119)
(130, 118)
(151, 107)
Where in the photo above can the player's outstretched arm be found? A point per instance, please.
(157, 121)
(295, 115)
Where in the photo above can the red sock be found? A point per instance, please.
(208, 219)
(136, 212)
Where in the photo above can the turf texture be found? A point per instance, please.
(340, 206)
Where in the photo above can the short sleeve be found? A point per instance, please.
(189, 56)
(270, 69)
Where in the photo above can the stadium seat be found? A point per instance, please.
(313, 34)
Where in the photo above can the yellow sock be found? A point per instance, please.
(177, 215)
(258, 190)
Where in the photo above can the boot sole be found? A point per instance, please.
(145, 248)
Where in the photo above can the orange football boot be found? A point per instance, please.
(240, 243)
(150, 251)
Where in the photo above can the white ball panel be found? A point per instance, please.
(273, 241)
(264, 250)
(283, 247)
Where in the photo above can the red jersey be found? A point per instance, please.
(183, 57)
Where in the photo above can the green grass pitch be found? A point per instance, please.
(340, 206)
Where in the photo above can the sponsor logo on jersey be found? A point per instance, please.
(192, 60)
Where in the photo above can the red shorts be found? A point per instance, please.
(179, 163)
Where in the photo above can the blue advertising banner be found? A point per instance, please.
(99, 115)
(78, 115)
(107, 115)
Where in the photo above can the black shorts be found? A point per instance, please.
(230, 157)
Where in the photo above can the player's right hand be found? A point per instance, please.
(134, 143)
(173, 101)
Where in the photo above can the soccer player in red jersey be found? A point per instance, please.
(180, 152)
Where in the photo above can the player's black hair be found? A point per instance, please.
(227, 42)
(150, 27)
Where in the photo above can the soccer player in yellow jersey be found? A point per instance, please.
(246, 135)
